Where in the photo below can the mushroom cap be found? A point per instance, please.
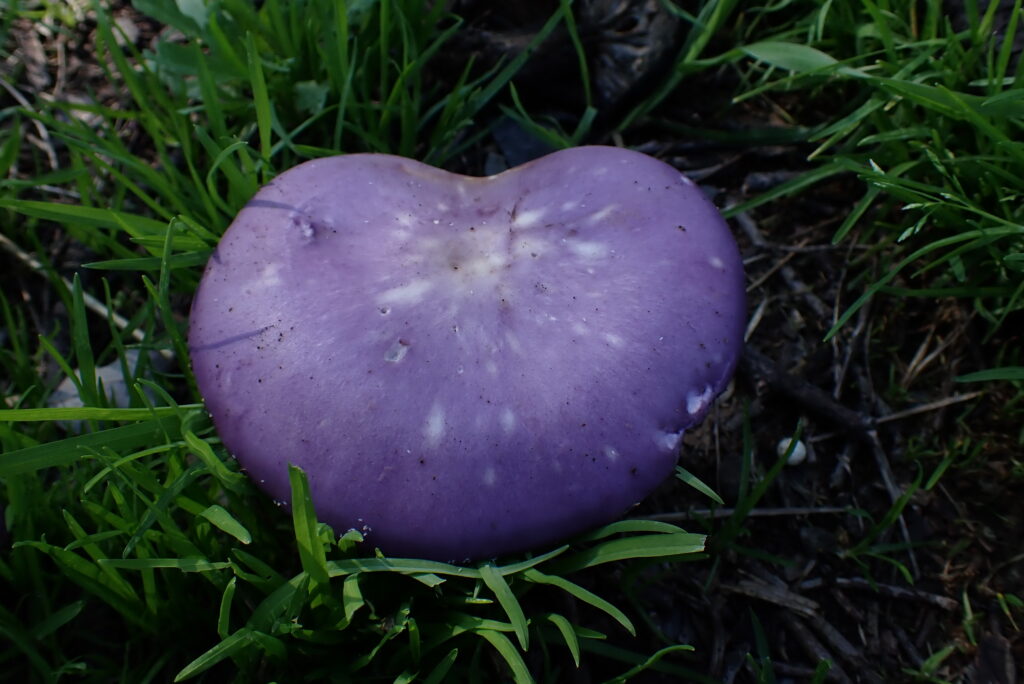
(468, 367)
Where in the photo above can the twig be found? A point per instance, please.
(810, 397)
(930, 406)
(755, 319)
(772, 593)
(749, 226)
(716, 513)
(889, 480)
(814, 648)
(889, 590)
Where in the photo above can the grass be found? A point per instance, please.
(141, 531)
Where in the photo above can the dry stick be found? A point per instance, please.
(840, 373)
(930, 406)
(788, 274)
(702, 513)
(814, 648)
(889, 480)
(907, 413)
(893, 591)
(811, 397)
(847, 651)
(775, 594)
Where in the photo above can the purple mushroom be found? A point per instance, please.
(468, 367)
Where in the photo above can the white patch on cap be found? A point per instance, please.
(566, 206)
(716, 262)
(411, 293)
(270, 276)
(614, 340)
(433, 428)
(579, 329)
(441, 206)
(602, 214)
(405, 220)
(508, 420)
(529, 218)
(600, 171)
(698, 401)
(612, 453)
(513, 343)
(668, 441)
(490, 477)
(686, 180)
(492, 368)
(588, 250)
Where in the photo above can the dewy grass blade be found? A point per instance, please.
(503, 592)
(311, 549)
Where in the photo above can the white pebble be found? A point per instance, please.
(798, 455)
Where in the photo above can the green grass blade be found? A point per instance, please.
(1013, 373)
(503, 592)
(225, 522)
(440, 671)
(91, 413)
(568, 633)
(629, 526)
(67, 451)
(311, 550)
(162, 505)
(582, 594)
(96, 581)
(505, 648)
(233, 645)
(695, 482)
(260, 101)
(649, 663)
(80, 342)
(183, 564)
(647, 546)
